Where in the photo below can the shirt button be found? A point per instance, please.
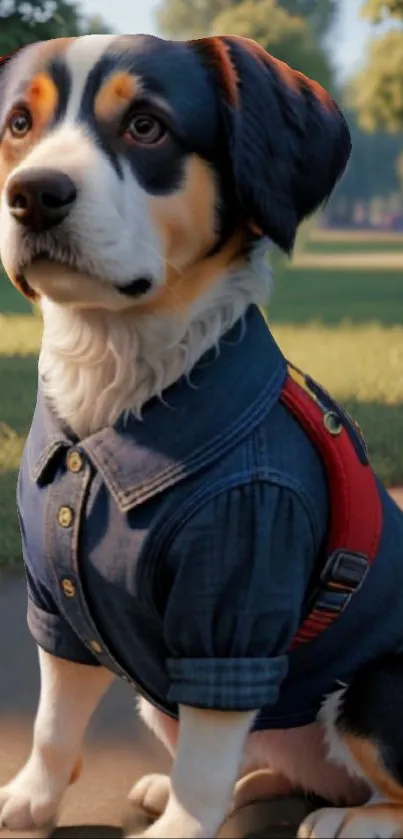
(96, 648)
(68, 587)
(65, 516)
(74, 461)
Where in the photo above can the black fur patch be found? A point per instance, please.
(372, 709)
(60, 75)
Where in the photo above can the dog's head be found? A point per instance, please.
(127, 161)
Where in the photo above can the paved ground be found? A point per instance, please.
(119, 749)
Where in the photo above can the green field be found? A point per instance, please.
(343, 325)
(334, 297)
(355, 246)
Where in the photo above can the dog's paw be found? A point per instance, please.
(372, 821)
(27, 808)
(30, 802)
(151, 794)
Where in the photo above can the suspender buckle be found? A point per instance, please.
(345, 570)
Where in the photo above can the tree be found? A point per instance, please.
(379, 10)
(23, 22)
(286, 35)
(377, 91)
(95, 25)
(291, 29)
(189, 18)
(319, 14)
(193, 18)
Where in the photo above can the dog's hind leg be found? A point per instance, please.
(364, 730)
(208, 757)
(69, 695)
(275, 763)
(151, 792)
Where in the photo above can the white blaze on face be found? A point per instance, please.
(109, 226)
(83, 54)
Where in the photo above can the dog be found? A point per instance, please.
(173, 512)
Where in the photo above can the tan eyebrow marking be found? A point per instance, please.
(42, 97)
(114, 96)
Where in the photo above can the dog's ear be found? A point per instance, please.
(288, 141)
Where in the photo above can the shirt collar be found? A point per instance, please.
(201, 417)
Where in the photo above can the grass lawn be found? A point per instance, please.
(19, 341)
(356, 246)
(331, 297)
(363, 367)
(344, 327)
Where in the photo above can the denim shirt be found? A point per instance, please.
(178, 550)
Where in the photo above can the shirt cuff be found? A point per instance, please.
(228, 684)
(55, 635)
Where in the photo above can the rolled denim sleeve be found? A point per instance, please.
(54, 635)
(239, 568)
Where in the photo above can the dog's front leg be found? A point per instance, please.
(207, 762)
(69, 695)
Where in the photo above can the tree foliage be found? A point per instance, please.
(192, 18)
(320, 14)
(379, 10)
(189, 18)
(377, 90)
(291, 29)
(25, 21)
(286, 35)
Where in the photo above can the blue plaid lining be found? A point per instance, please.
(233, 684)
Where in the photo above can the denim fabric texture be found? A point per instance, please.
(179, 550)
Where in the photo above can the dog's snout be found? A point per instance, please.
(41, 198)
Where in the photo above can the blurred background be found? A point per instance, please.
(337, 306)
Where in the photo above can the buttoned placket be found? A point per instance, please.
(65, 510)
(66, 507)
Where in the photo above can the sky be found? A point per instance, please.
(136, 16)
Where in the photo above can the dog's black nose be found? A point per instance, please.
(40, 198)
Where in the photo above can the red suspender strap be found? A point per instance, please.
(355, 506)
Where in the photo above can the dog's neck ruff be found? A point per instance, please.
(97, 365)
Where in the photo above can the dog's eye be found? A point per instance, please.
(19, 123)
(146, 129)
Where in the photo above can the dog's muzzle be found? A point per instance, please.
(40, 199)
